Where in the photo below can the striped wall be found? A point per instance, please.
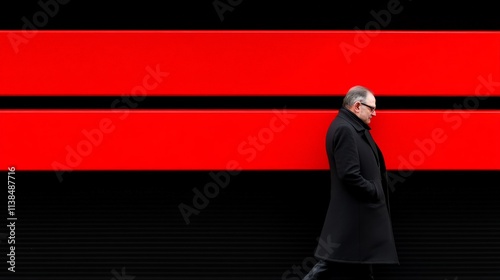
(199, 154)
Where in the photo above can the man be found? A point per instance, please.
(357, 231)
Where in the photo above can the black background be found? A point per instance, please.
(105, 225)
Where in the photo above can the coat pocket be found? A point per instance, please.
(379, 191)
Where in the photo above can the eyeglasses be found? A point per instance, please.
(372, 109)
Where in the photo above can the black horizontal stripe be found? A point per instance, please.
(244, 14)
(242, 102)
(261, 225)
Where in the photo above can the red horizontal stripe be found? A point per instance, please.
(251, 140)
(248, 62)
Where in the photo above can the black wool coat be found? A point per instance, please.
(357, 227)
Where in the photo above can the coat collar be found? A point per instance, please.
(361, 127)
(358, 124)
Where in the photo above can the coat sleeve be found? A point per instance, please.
(347, 165)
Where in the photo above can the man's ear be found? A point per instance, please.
(356, 106)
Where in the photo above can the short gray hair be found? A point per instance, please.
(355, 94)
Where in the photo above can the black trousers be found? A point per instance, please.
(325, 270)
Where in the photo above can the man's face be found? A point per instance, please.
(366, 109)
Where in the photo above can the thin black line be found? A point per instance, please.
(242, 102)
